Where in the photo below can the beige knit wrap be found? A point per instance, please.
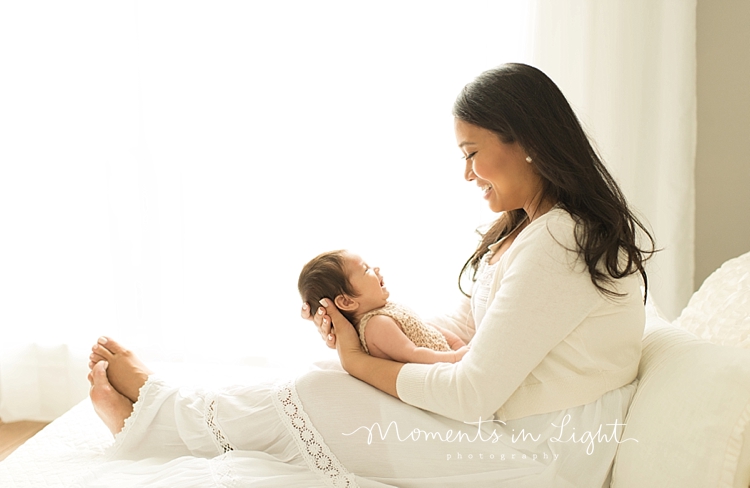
(421, 334)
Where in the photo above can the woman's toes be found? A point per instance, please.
(111, 345)
(96, 357)
(99, 373)
(101, 353)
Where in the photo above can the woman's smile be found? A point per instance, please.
(499, 169)
(486, 190)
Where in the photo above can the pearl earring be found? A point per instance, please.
(528, 159)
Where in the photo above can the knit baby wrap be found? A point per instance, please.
(421, 334)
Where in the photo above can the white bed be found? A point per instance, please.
(690, 414)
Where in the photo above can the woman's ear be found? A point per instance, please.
(346, 303)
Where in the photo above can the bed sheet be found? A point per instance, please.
(60, 453)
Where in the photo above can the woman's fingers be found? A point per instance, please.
(305, 312)
(322, 323)
(317, 317)
(346, 338)
(344, 334)
(327, 332)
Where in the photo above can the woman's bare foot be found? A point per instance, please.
(112, 407)
(126, 373)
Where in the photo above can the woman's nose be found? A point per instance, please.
(469, 172)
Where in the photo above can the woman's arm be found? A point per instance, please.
(543, 295)
(386, 340)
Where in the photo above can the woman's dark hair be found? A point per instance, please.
(521, 104)
(325, 277)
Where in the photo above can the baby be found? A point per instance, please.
(386, 330)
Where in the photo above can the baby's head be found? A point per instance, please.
(344, 277)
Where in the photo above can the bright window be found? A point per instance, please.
(167, 167)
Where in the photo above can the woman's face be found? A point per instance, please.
(500, 170)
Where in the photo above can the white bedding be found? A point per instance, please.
(61, 453)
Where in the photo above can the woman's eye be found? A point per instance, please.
(470, 156)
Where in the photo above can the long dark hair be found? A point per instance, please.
(521, 104)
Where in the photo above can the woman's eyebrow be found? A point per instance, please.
(467, 143)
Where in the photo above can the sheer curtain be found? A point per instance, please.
(628, 69)
(167, 167)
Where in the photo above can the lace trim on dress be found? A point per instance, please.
(309, 441)
(130, 421)
(210, 415)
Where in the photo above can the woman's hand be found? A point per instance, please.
(322, 322)
(380, 373)
(346, 338)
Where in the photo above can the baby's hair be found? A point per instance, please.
(325, 277)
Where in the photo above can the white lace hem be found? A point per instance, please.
(130, 421)
(209, 417)
(309, 441)
(222, 444)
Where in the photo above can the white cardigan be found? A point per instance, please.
(549, 340)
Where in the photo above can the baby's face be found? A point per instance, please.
(367, 282)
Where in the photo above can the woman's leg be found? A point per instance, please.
(170, 421)
(381, 438)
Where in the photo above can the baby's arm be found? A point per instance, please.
(386, 340)
(454, 341)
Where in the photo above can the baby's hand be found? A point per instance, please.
(460, 353)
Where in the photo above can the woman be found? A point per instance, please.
(554, 319)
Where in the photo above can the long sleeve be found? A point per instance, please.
(541, 338)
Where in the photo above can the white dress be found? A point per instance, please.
(326, 428)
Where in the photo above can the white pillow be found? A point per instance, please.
(719, 311)
(689, 415)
